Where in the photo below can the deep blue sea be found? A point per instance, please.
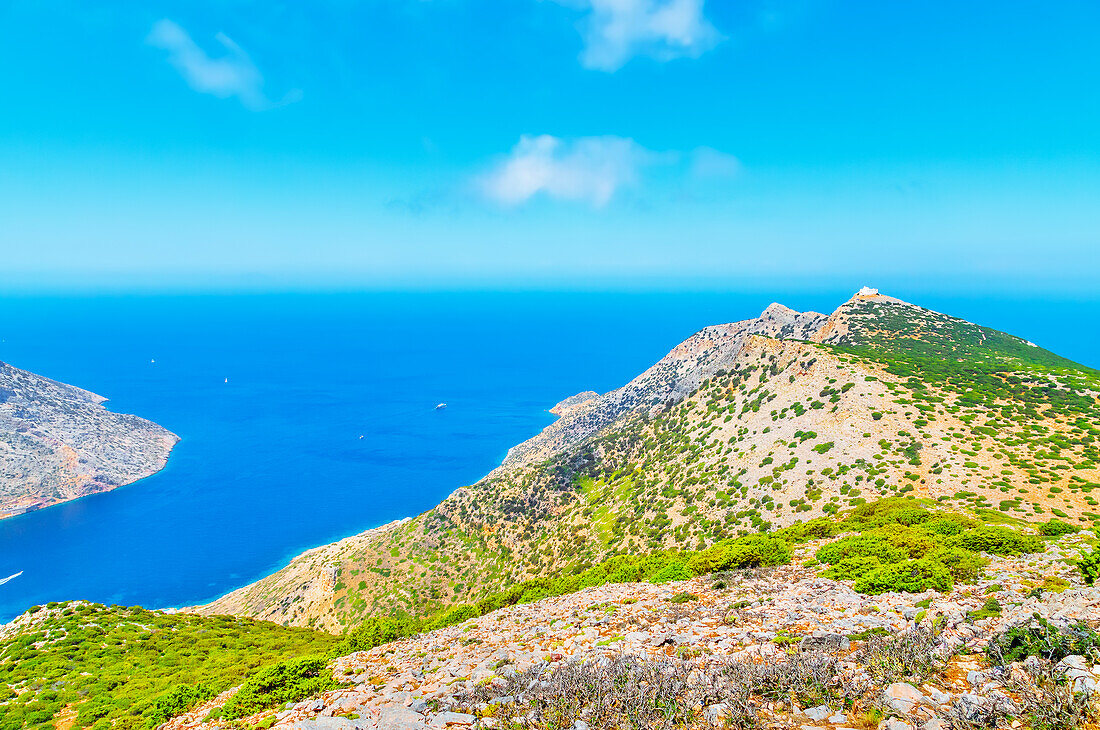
(327, 425)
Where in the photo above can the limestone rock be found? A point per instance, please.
(902, 698)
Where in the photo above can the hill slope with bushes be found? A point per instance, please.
(114, 666)
(748, 633)
(822, 414)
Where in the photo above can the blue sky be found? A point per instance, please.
(549, 143)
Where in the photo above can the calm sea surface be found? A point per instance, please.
(328, 425)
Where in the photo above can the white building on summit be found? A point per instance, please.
(867, 292)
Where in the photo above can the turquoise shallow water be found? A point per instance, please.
(272, 462)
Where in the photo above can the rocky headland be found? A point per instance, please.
(58, 442)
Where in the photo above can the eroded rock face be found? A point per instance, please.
(58, 442)
(673, 377)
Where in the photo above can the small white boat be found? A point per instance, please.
(440, 406)
(11, 577)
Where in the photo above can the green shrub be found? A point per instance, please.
(889, 544)
(909, 576)
(1054, 527)
(880, 513)
(815, 529)
(375, 632)
(852, 568)
(1089, 566)
(755, 551)
(948, 525)
(287, 681)
(999, 540)
(745, 552)
(455, 615)
(536, 593)
(903, 516)
(991, 607)
(1043, 639)
(650, 565)
(858, 546)
(965, 566)
(619, 569)
(671, 572)
(129, 668)
(915, 543)
(683, 597)
(98, 708)
(175, 701)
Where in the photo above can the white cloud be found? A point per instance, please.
(707, 162)
(233, 74)
(587, 169)
(594, 169)
(617, 30)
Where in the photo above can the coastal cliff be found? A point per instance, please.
(58, 442)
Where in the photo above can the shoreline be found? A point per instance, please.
(283, 564)
(31, 509)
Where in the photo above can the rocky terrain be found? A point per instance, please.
(58, 442)
(880, 519)
(673, 377)
(776, 648)
(743, 427)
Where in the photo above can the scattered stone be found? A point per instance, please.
(902, 698)
(327, 723)
(817, 713)
(894, 723)
(445, 719)
(415, 683)
(937, 696)
(825, 641)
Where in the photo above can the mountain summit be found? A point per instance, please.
(741, 428)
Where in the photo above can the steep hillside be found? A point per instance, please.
(742, 428)
(677, 374)
(831, 622)
(767, 647)
(58, 442)
(82, 664)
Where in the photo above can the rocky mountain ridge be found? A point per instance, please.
(58, 442)
(668, 381)
(741, 428)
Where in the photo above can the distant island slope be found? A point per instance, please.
(58, 442)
